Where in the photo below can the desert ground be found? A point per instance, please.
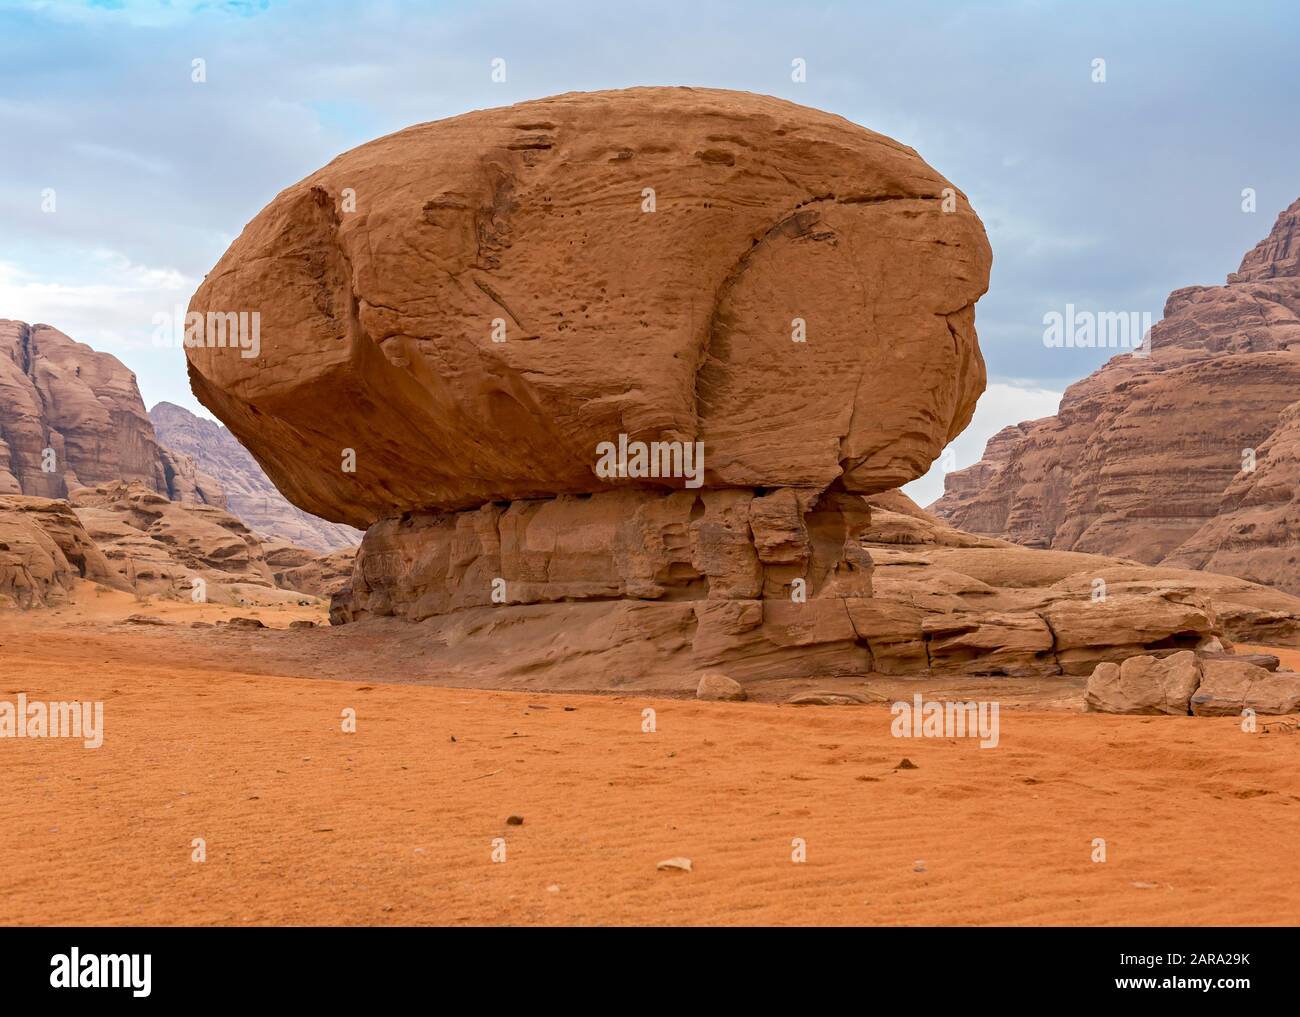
(235, 737)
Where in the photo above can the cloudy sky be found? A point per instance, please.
(1106, 194)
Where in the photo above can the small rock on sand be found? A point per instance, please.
(828, 699)
(680, 864)
(719, 687)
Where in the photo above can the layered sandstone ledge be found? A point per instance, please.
(711, 545)
(587, 591)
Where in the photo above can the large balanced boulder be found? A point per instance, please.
(465, 310)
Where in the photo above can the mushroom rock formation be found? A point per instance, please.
(788, 292)
(460, 323)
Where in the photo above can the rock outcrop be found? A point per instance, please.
(71, 417)
(321, 575)
(1185, 683)
(44, 549)
(1187, 456)
(1145, 684)
(128, 537)
(249, 493)
(158, 546)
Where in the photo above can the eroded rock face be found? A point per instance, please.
(321, 575)
(44, 549)
(907, 594)
(1149, 457)
(1185, 682)
(1145, 684)
(716, 545)
(160, 546)
(532, 223)
(127, 537)
(68, 407)
(1256, 532)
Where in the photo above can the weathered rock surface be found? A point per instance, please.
(158, 546)
(321, 575)
(1185, 682)
(44, 549)
(1145, 684)
(128, 537)
(1147, 458)
(249, 493)
(720, 688)
(1230, 687)
(614, 585)
(72, 417)
(1256, 532)
(668, 325)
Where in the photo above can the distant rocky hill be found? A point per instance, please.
(128, 537)
(249, 492)
(72, 417)
(1188, 457)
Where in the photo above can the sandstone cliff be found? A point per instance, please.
(1187, 456)
(71, 416)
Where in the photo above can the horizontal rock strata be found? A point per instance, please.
(1186, 457)
(689, 584)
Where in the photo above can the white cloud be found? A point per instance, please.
(1003, 403)
(104, 299)
(107, 153)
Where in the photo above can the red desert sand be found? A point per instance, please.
(396, 823)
